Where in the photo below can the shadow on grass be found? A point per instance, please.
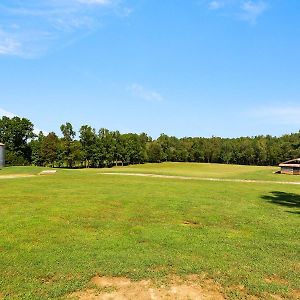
(285, 199)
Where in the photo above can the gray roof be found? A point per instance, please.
(291, 163)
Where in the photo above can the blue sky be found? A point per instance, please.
(183, 67)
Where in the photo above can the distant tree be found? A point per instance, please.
(134, 148)
(67, 131)
(154, 152)
(169, 146)
(197, 151)
(119, 155)
(68, 136)
(36, 149)
(16, 133)
(106, 148)
(88, 143)
(49, 149)
(212, 149)
(76, 156)
(226, 151)
(261, 151)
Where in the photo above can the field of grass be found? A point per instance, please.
(207, 171)
(57, 232)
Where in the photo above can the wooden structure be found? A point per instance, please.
(291, 167)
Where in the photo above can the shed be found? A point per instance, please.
(2, 155)
(291, 167)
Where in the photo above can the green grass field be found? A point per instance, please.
(57, 232)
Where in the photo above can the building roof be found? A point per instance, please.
(291, 163)
(2, 144)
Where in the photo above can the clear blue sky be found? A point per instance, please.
(183, 67)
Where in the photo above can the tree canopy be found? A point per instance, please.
(105, 148)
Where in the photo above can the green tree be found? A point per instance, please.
(154, 152)
(36, 149)
(16, 133)
(88, 142)
(68, 136)
(49, 149)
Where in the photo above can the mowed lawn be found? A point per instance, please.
(57, 232)
(207, 171)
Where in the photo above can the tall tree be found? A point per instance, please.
(68, 137)
(49, 149)
(16, 132)
(36, 149)
(154, 152)
(88, 142)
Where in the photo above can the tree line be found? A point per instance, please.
(105, 148)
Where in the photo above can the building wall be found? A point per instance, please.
(287, 170)
(2, 156)
(296, 171)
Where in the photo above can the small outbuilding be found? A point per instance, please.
(2, 155)
(291, 167)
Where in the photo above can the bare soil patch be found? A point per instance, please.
(295, 294)
(48, 172)
(16, 176)
(191, 223)
(120, 288)
(272, 296)
(276, 279)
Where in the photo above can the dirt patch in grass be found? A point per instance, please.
(120, 288)
(16, 176)
(295, 294)
(191, 223)
(49, 279)
(272, 296)
(276, 279)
